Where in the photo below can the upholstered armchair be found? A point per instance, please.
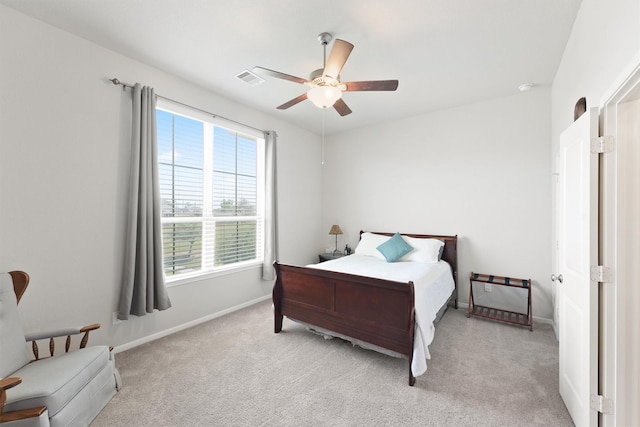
(58, 390)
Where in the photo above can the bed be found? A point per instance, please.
(372, 302)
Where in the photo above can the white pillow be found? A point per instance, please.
(368, 245)
(424, 250)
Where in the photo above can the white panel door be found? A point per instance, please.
(578, 251)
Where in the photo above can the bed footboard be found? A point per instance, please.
(376, 311)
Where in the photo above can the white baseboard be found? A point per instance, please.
(465, 306)
(187, 325)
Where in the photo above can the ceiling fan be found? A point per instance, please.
(326, 87)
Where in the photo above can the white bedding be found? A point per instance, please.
(433, 284)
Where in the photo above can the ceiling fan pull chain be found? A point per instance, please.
(322, 145)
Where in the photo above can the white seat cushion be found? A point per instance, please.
(55, 381)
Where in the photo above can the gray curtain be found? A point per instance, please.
(143, 287)
(271, 208)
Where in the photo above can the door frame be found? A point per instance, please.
(618, 372)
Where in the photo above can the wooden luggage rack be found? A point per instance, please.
(523, 319)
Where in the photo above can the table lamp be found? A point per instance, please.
(335, 229)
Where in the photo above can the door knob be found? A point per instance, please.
(558, 278)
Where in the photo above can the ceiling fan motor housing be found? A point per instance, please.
(316, 78)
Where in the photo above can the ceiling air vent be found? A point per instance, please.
(250, 78)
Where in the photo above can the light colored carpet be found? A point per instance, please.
(234, 371)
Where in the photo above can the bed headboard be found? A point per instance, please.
(449, 254)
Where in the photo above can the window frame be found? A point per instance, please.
(207, 187)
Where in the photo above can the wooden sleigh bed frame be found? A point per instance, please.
(376, 311)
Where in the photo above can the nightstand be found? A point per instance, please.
(329, 256)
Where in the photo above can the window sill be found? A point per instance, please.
(185, 279)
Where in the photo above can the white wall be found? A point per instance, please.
(64, 159)
(604, 47)
(480, 171)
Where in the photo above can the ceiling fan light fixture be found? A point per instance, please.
(324, 96)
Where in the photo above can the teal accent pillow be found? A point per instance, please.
(394, 248)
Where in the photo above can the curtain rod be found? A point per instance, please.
(117, 82)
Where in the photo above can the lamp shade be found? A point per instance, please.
(324, 96)
(335, 229)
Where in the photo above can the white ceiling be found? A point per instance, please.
(444, 53)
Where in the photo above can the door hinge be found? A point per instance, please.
(601, 404)
(603, 144)
(602, 274)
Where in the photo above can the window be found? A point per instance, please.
(211, 191)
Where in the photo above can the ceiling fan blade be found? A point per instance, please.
(371, 85)
(279, 75)
(342, 108)
(338, 56)
(293, 102)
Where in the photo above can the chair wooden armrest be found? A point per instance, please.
(6, 384)
(68, 332)
(22, 414)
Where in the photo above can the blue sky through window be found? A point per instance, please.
(181, 158)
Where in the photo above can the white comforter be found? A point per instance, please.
(433, 284)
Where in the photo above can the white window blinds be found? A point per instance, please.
(212, 194)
